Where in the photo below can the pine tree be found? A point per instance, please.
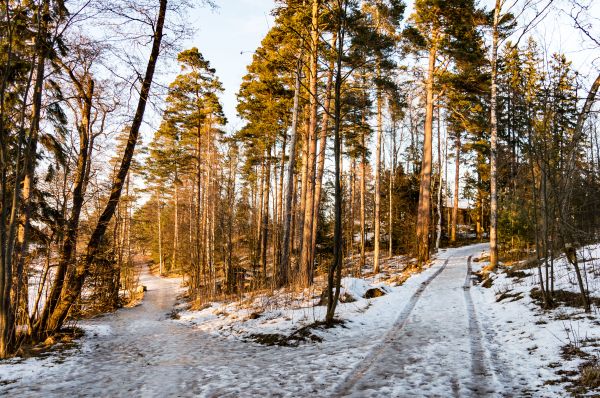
(437, 27)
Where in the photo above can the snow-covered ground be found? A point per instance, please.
(518, 331)
(437, 334)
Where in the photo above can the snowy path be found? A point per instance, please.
(434, 348)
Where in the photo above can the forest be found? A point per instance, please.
(371, 132)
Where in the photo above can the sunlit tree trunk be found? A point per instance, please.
(424, 209)
(493, 142)
(306, 265)
(377, 218)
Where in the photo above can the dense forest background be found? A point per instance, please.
(368, 126)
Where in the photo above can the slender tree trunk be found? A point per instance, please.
(424, 210)
(440, 184)
(494, 143)
(265, 218)
(259, 218)
(284, 266)
(231, 200)
(160, 245)
(334, 273)
(363, 192)
(377, 198)
(278, 220)
(391, 192)
(175, 225)
(321, 154)
(303, 189)
(309, 217)
(456, 186)
(352, 206)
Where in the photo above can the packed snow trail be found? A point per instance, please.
(390, 337)
(435, 348)
(141, 352)
(430, 350)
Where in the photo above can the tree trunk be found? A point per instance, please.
(322, 153)
(309, 217)
(284, 266)
(377, 182)
(335, 270)
(494, 144)
(456, 185)
(440, 184)
(160, 246)
(363, 192)
(265, 218)
(391, 192)
(175, 225)
(424, 209)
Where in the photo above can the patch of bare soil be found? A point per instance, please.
(561, 297)
(583, 381)
(302, 335)
(508, 295)
(58, 345)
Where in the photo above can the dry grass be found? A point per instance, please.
(590, 376)
(561, 297)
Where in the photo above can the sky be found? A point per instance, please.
(227, 37)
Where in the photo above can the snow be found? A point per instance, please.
(519, 332)
(434, 335)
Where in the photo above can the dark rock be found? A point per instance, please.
(374, 292)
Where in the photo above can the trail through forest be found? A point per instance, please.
(435, 348)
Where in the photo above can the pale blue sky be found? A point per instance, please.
(237, 26)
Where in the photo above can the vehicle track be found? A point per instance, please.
(479, 371)
(393, 333)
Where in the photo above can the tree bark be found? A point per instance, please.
(363, 192)
(377, 198)
(322, 153)
(424, 209)
(309, 217)
(335, 270)
(440, 183)
(456, 185)
(284, 266)
(494, 143)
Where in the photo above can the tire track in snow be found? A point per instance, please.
(479, 372)
(363, 366)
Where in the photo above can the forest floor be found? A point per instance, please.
(436, 334)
